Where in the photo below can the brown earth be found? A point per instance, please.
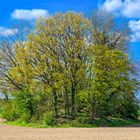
(20, 133)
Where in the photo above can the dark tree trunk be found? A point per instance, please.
(73, 101)
(67, 112)
(55, 104)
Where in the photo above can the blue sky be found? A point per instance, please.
(52, 6)
(31, 9)
(12, 11)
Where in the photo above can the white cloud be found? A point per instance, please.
(7, 31)
(135, 28)
(112, 5)
(131, 8)
(127, 8)
(29, 14)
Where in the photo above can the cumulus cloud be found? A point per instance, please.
(112, 5)
(131, 8)
(127, 8)
(135, 28)
(7, 31)
(29, 14)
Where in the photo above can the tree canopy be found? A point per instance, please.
(70, 66)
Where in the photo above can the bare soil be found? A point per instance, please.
(8, 132)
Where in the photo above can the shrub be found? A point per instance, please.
(9, 111)
(48, 119)
(24, 104)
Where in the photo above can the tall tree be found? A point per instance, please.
(62, 41)
(113, 85)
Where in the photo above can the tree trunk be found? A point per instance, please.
(55, 104)
(67, 112)
(73, 101)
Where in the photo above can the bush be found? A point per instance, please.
(48, 119)
(8, 111)
(25, 106)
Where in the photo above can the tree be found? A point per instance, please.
(61, 41)
(68, 67)
(14, 70)
(106, 31)
(112, 85)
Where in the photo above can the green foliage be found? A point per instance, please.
(112, 88)
(8, 111)
(68, 71)
(48, 119)
(111, 122)
(24, 105)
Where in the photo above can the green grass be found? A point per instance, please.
(110, 122)
(0, 111)
(24, 124)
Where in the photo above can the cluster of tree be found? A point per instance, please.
(70, 66)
